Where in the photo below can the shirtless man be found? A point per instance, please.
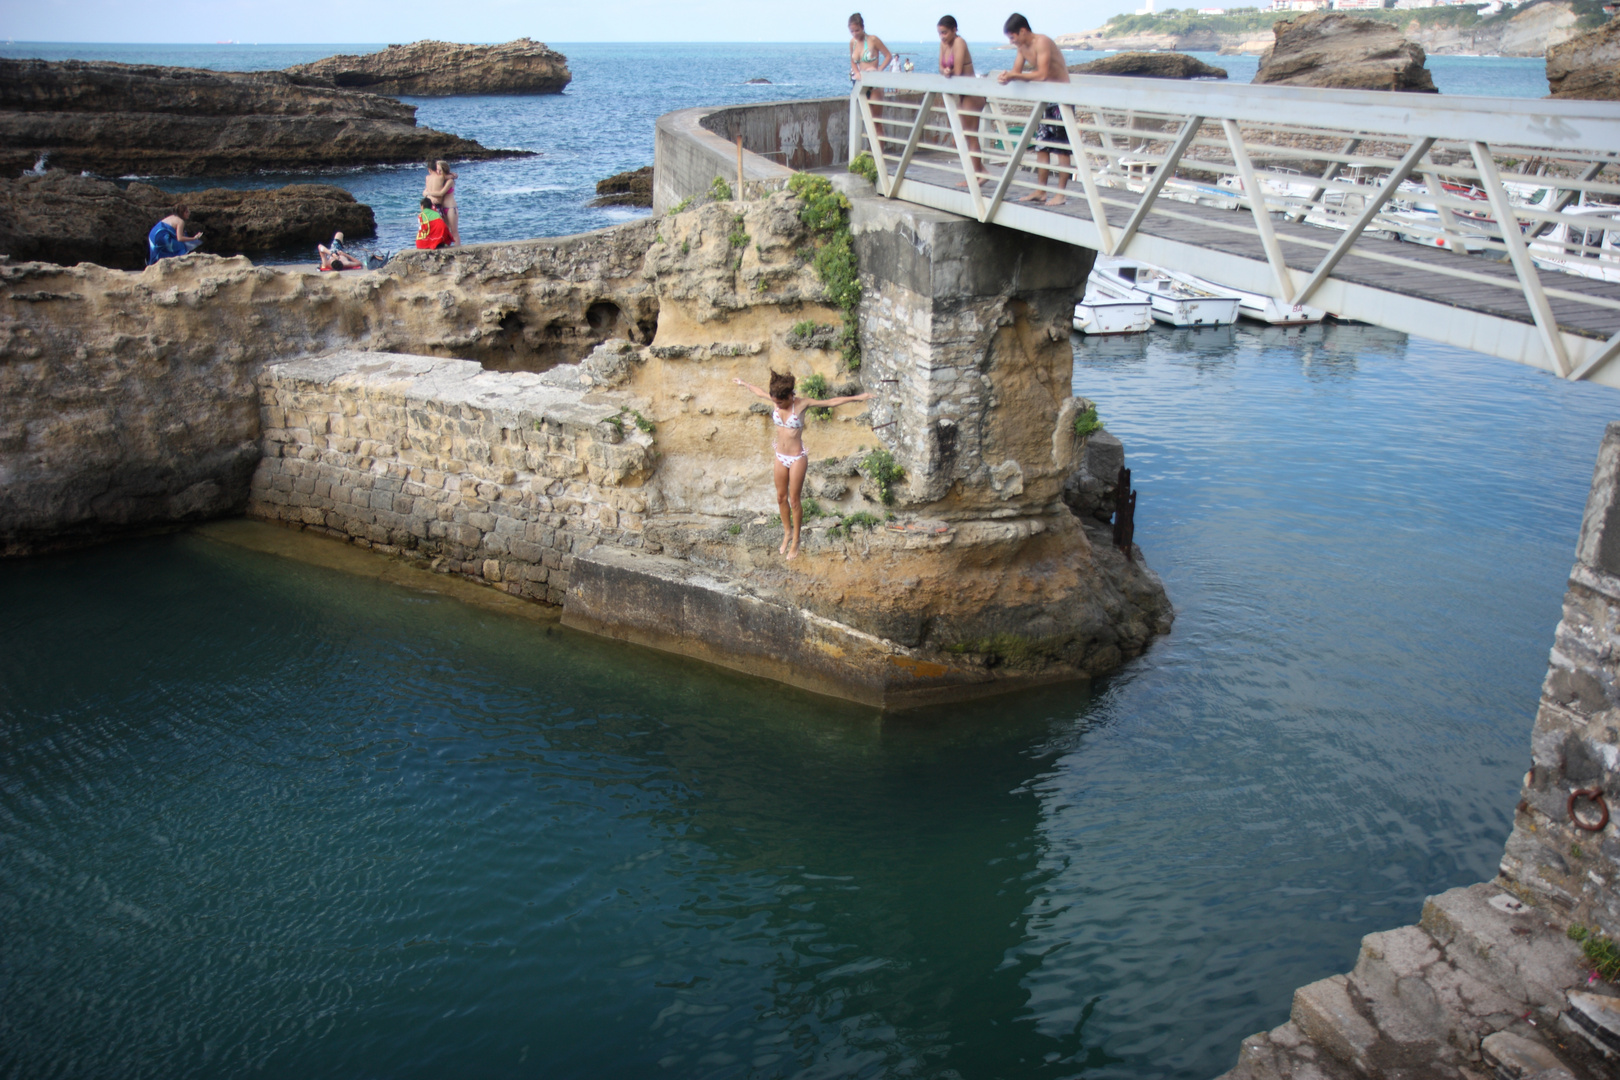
(1040, 60)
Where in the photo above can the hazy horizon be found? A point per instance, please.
(318, 22)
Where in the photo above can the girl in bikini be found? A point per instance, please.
(954, 60)
(792, 459)
(866, 53)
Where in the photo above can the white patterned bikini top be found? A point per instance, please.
(794, 420)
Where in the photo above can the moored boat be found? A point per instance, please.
(1100, 313)
(1259, 306)
(1175, 299)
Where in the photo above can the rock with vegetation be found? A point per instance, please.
(442, 68)
(64, 218)
(122, 119)
(1588, 66)
(633, 188)
(1150, 65)
(1331, 49)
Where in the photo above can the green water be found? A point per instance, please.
(262, 818)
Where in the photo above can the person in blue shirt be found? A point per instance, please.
(168, 237)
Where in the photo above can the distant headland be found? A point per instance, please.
(1485, 29)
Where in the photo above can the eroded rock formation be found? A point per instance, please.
(1329, 48)
(442, 68)
(63, 218)
(123, 119)
(635, 484)
(1151, 65)
(1587, 66)
(127, 399)
(633, 188)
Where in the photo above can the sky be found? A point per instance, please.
(383, 21)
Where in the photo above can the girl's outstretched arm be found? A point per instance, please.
(750, 386)
(830, 402)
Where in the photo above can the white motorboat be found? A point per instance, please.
(1099, 313)
(1589, 247)
(1175, 299)
(1260, 307)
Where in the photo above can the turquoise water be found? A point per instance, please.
(603, 124)
(260, 817)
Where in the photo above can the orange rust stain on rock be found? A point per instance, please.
(921, 669)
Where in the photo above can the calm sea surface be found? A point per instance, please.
(259, 817)
(603, 123)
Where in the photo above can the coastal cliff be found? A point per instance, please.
(1588, 66)
(1529, 30)
(440, 68)
(63, 218)
(123, 119)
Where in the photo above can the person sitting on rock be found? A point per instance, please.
(168, 238)
(792, 459)
(431, 231)
(335, 258)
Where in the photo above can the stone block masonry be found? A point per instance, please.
(500, 477)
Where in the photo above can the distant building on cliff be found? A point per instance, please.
(1359, 5)
(1298, 5)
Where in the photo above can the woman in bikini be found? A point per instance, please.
(867, 53)
(792, 459)
(954, 59)
(441, 188)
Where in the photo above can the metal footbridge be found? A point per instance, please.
(1488, 223)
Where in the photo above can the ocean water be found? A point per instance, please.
(603, 123)
(260, 817)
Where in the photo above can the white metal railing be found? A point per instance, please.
(1524, 194)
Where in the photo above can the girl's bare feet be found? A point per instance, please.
(783, 549)
(793, 553)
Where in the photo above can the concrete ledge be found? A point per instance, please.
(676, 607)
(693, 146)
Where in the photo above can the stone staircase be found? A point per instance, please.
(1475, 991)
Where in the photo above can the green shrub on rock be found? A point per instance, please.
(825, 212)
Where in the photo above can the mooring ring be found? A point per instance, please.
(1594, 795)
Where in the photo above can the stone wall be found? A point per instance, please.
(498, 477)
(1551, 859)
(798, 134)
(1491, 981)
(127, 398)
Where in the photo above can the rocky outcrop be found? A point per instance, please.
(633, 188)
(63, 218)
(1329, 48)
(442, 68)
(1588, 66)
(123, 119)
(127, 399)
(1150, 65)
(946, 565)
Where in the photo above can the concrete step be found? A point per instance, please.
(1284, 1053)
(1520, 951)
(1430, 1002)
